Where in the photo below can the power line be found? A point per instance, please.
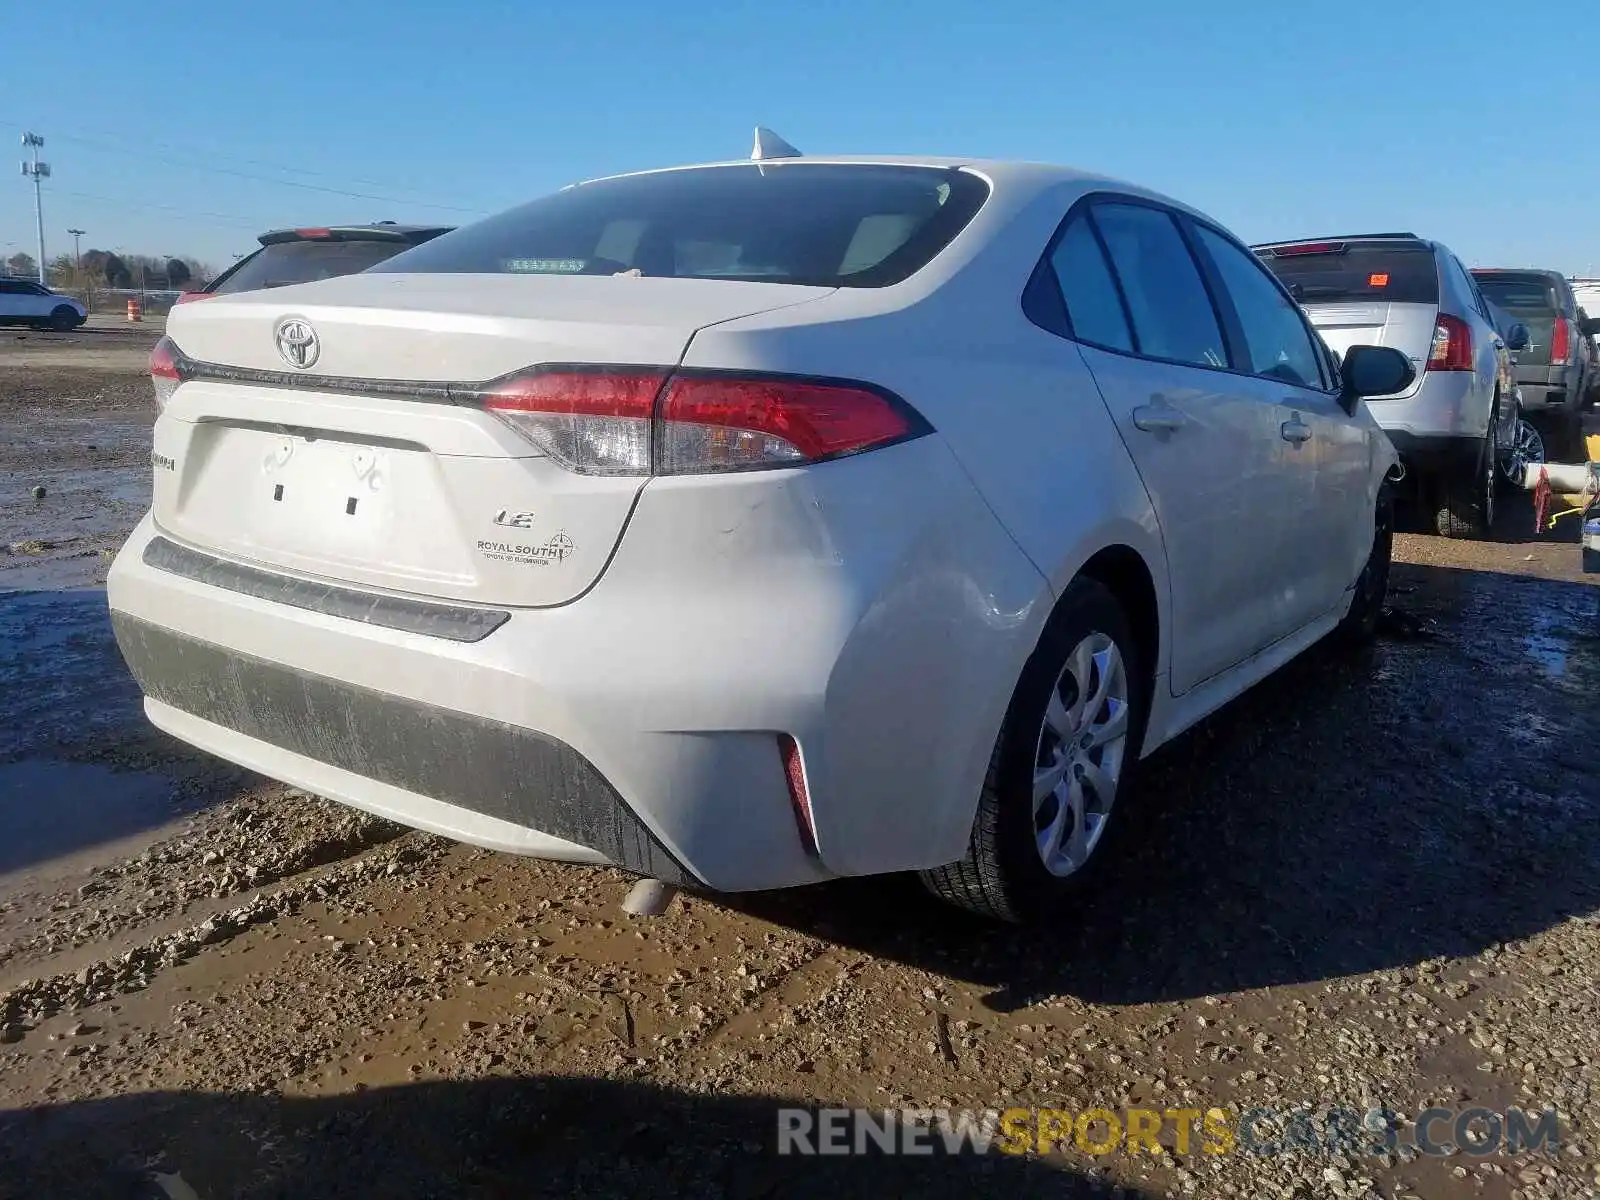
(290, 183)
(251, 162)
(122, 201)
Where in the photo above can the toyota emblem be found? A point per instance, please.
(297, 342)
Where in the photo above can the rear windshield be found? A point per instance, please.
(284, 263)
(834, 225)
(1520, 293)
(1401, 274)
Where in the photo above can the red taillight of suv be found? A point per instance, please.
(638, 421)
(1452, 345)
(1560, 342)
(190, 297)
(165, 372)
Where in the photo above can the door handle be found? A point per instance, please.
(1158, 418)
(1295, 430)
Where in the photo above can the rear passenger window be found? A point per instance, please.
(1093, 306)
(1276, 338)
(1171, 311)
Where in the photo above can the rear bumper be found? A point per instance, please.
(327, 733)
(1445, 405)
(1550, 394)
(640, 725)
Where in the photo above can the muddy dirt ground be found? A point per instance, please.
(1375, 881)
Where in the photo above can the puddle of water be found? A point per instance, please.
(1563, 642)
(50, 810)
(61, 677)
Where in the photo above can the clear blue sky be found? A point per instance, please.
(1473, 121)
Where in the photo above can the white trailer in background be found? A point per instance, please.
(1587, 289)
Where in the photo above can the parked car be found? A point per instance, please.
(25, 302)
(1453, 422)
(1527, 444)
(754, 524)
(302, 255)
(1558, 372)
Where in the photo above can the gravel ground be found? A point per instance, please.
(1370, 883)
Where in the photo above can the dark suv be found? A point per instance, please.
(1557, 372)
(302, 255)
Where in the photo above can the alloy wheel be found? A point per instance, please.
(1082, 744)
(1527, 449)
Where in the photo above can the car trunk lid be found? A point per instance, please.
(373, 465)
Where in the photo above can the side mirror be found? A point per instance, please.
(1517, 338)
(1589, 326)
(1373, 371)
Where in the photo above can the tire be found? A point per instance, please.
(1465, 503)
(1003, 875)
(1527, 449)
(1360, 624)
(64, 319)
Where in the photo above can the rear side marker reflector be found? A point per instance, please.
(637, 421)
(794, 771)
(166, 371)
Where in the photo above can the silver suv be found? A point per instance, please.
(1452, 425)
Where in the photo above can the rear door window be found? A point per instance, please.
(1094, 310)
(283, 263)
(1355, 271)
(1276, 337)
(1167, 299)
(829, 224)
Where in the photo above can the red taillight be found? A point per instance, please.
(722, 423)
(188, 297)
(1560, 342)
(165, 373)
(594, 422)
(1307, 248)
(623, 421)
(1452, 345)
(794, 772)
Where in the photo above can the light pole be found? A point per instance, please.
(37, 170)
(77, 254)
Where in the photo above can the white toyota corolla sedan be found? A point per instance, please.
(757, 523)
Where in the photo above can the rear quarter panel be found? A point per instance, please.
(1026, 427)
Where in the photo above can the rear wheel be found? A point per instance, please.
(1464, 507)
(1070, 736)
(63, 319)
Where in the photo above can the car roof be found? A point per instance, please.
(1531, 272)
(1022, 179)
(1379, 238)
(996, 169)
